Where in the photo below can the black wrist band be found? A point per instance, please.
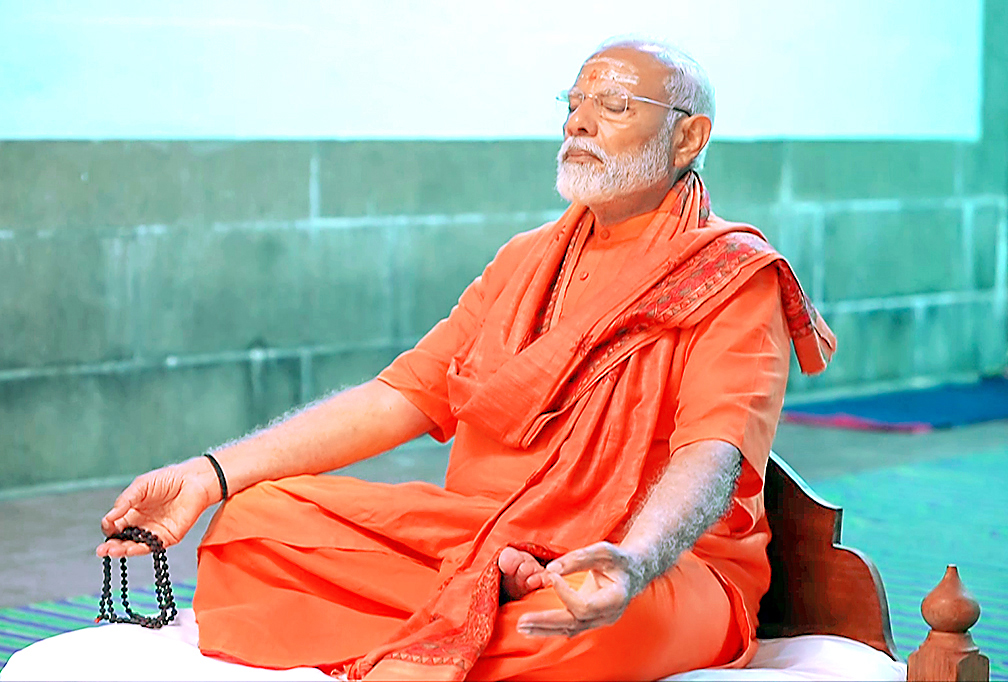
(220, 475)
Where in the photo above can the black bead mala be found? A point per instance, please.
(162, 584)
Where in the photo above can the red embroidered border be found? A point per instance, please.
(461, 646)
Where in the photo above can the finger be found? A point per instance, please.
(553, 619)
(591, 603)
(121, 548)
(526, 569)
(108, 522)
(129, 497)
(598, 555)
(571, 598)
(137, 548)
(536, 581)
(554, 623)
(113, 522)
(508, 559)
(132, 517)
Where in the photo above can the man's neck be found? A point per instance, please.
(623, 208)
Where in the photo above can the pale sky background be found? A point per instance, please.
(466, 69)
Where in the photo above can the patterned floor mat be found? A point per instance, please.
(22, 625)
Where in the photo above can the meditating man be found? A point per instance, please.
(612, 382)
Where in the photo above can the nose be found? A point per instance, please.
(581, 122)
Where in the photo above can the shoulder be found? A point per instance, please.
(733, 269)
(516, 250)
(736, 236)
(525, 244)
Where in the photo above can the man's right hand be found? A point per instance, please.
(166, 501)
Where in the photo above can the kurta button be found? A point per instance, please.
(604, 234)
(583, 275)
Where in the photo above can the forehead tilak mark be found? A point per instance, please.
(598, 68)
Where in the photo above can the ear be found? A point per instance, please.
(694, 131)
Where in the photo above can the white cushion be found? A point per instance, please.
(130, 652)
(809, 657)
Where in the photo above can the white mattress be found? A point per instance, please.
(130, 652)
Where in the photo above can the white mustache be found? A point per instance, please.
(583, 145)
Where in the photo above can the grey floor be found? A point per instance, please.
(47, 541)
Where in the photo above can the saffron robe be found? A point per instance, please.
(568, 374)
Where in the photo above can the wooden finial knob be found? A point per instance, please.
(949, 607)
(949, 652)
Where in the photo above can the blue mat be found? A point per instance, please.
(932, 408)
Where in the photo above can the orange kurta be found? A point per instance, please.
(561, 418)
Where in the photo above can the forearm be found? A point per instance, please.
(348, 427)
(694, 491)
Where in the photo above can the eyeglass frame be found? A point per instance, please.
(564, 98)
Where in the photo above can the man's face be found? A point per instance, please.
(606, 155)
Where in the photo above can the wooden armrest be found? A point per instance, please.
(817, 586)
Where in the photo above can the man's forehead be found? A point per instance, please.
(603, 67)
(628, 65)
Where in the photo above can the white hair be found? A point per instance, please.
(621, 174)
(687, 85)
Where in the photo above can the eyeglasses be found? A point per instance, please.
(610, 104)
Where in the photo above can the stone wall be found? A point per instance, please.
(157, 298)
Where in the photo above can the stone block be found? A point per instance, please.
(335, 372)
(986, 225)
(201, 291)
(871, 346)
(985, 164)
(872, 170)
(946, 342)
(77, 427)
(53, 184)
(799, 243)
(990, 336)
(348, 286)
(797, 383)
(743, 172)
(274, 387)
(205, 291)
(63, 299)
(54, 430)
(887, 253)
(172, 414)
(435, 263)
(431, 177)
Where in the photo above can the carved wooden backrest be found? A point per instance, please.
(817, 586)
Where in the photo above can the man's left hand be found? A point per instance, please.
(614, 578)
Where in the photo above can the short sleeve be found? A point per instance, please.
(735, 373)
(420, 374)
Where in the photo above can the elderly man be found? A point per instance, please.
(612, 381)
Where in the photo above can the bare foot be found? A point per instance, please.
(520, 573)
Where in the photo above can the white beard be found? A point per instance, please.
(620, 174)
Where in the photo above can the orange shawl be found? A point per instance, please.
(521, 372)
